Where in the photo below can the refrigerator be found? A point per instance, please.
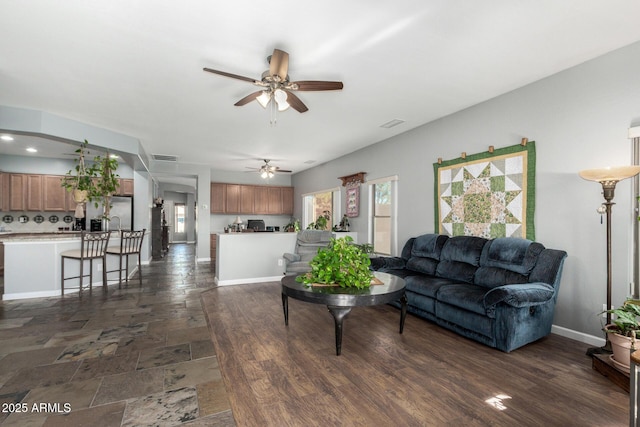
(121, 207)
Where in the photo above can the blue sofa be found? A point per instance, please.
(499, 292)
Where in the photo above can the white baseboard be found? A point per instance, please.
(203, 259)
(247, 281)
(578, 336)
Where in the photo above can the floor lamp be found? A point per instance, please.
(608, 177)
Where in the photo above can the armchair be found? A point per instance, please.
(307, 244)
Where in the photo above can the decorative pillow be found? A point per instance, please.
(511, 253)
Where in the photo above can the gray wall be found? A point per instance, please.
(579, 119)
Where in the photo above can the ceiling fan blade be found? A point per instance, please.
(295, 102)
(316, 85)
(282, 170)
(279, 64)
(233, 76)
(247, 99)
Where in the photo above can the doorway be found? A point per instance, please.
(179, 222)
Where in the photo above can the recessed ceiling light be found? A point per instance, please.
(392, 123)
(32, 150)
(114, 156)
(6, 138)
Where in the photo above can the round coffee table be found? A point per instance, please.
(340, 301)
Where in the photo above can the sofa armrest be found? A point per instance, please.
(387, 262)
(521, 295)
(291, 257)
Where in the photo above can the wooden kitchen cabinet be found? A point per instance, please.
(246, 199)
(212, 244)
(251, 199)
(232, 199)
(287, 200)
(55, 197)
(5, 194)
(126, 187)
(17, 192)
(261, 200)
(275, 200)
(34, 193)
(218, 197)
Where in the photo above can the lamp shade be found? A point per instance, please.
(609, 174)
(238, 220)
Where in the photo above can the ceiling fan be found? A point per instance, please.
(268, 171)
(276, 85)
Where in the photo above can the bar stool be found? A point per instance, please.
(130, 244)
(92, 246)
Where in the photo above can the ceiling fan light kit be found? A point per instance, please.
(267, 170)
(277, 86)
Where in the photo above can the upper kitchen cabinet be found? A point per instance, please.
(232, 199)
(5, 194)
(251, 199)
(218, 197)
(55, 198)
(246, 199)
(17, 192)
(287, 200)
(126, 187)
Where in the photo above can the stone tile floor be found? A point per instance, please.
(136, 356)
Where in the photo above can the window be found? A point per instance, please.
(383, 216)
(180, 215)
(315, 204)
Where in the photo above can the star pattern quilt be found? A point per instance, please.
(487, 194)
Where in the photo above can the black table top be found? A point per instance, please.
(392, 289)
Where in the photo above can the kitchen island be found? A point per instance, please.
(32, 264)
(254, 257)
(251, 257)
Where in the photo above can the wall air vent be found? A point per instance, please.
(392, 123)
(165, 157)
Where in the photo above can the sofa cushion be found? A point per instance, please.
(425, 285)
(422, 265)
(491, 277)
(469, 297)
(460, 257)
(428, 246)
(510, 253)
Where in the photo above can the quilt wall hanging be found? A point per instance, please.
(490, 194)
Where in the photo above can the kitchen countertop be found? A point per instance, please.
(8, 236)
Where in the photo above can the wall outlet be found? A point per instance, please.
(280, 262)
(604, 308)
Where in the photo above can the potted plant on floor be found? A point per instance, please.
(342, 264)
(622, 331)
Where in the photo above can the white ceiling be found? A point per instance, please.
(135, 66)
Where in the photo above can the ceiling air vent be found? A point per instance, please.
(392, 123)
(165, 157)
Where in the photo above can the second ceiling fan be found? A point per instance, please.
(276, 86)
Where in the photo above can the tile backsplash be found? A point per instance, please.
(35, 222)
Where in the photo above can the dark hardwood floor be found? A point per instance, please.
(290, 376)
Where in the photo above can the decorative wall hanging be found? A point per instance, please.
(353, 201)
(352, 182)
(490, 194)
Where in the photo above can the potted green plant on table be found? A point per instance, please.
(321, 222)
(342, 264)
(621, 333)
